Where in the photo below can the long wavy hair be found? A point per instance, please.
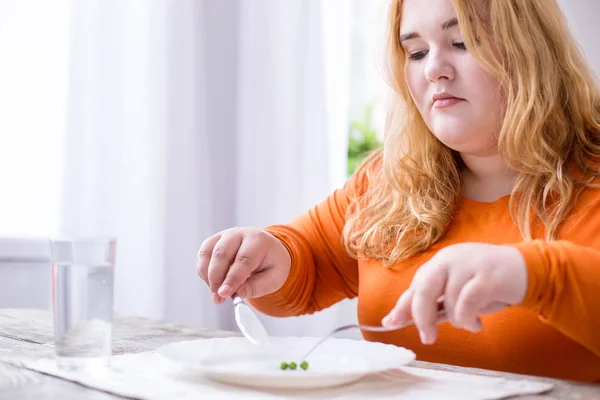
(551, 129)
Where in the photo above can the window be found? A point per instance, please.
(33, 78)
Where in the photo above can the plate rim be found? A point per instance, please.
(370, 367)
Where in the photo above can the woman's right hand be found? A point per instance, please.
(246, 261)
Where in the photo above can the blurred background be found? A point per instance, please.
(162, 122)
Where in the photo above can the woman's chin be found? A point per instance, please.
(456, 140)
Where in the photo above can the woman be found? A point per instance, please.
(484, 197)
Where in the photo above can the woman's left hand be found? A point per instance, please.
(472, 279)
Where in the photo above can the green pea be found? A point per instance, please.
(304, 365)
(284, 365)
(293, 365)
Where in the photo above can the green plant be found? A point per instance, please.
(362, 138)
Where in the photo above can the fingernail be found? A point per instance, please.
(424, 338)
(224, 291)
(387, 320)
(241, 292)
(216, 298)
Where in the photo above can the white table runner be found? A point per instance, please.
(150, 376)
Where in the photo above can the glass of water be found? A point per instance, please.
(82, 298)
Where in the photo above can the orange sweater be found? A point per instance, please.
(555, 331)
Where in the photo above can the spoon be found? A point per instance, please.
(248, 322)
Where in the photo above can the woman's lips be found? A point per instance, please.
(446, 102)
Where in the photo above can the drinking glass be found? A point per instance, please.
(82, 299)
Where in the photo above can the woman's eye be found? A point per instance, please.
(459, 45)
(418, 55)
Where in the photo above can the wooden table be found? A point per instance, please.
(29, 333)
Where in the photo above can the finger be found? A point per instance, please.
(428, 289)
(204, 255)
(401, 311)
(262, 283)
(473, 298)
(223, 255)
(249, 256)
(455, 283)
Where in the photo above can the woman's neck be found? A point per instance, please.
(486, 178)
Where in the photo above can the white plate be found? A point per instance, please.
(237, 361)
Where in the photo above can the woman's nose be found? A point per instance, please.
(438, 67)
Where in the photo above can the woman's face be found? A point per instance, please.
(462, 105)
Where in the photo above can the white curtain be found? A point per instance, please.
(582, 18)
(293, 112)
(187, 117)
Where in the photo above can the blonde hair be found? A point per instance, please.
(551, 129)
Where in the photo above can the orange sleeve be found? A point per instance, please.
(322, 273)
(564, 279)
